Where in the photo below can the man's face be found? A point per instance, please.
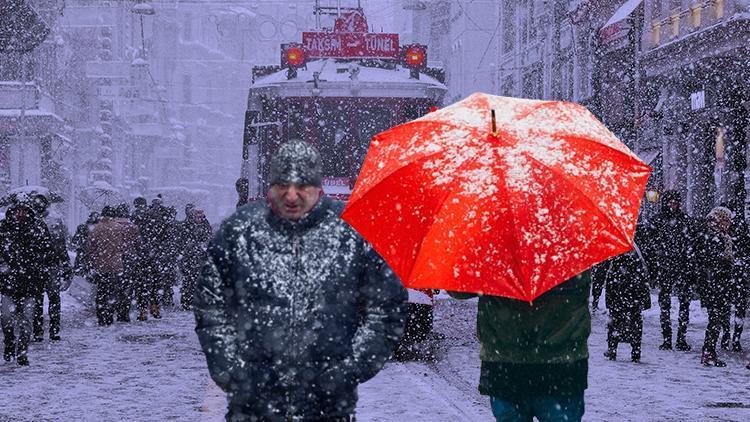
(293, 201)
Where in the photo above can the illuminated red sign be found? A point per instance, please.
(350, 45)
(415, 56)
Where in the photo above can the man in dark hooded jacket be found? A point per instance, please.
(293, 308)
(26, 255)
(675, 238)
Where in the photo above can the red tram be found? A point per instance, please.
(336, 89)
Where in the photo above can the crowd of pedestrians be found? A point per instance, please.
(131, 258)
(706, 259)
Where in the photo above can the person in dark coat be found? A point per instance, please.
(26, 255)
(78, 242)
(738, 288)
(716, 259)
(195, 232)
(293, 308)
(142, 271)
(598, 279)
(242, 186)
(675, 234)
(535, 356)
(627, 295)
(60, 271)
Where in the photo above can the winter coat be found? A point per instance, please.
(627, 284)
(26, 257)
(715, 252)
(539, 347)
(112, 243)
(293, 315)
(60, 269)
(194, 237)
(673, 244)
(161, 239)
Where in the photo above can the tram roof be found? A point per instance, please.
(335, 80)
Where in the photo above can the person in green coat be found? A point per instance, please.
(535, 355)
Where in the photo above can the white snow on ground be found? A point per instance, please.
(155, 371)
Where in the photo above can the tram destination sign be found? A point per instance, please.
(350, 45)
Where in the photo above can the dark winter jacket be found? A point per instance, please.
(293, 315)
(715, 252)
(161, 238)
(194, 236)
(536, 348)
(627, 284)
(674, 239)
(26, 255)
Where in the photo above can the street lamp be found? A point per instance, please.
(142, 7)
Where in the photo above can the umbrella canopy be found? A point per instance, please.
(452, 204)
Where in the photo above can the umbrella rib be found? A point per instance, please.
(573, 186)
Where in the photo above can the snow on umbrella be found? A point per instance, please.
(452, 203)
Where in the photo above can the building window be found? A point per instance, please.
(719, 9)
(695, 15)
(655, 33)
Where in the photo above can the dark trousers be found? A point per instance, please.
(625, 326)
(16, 313)
(665, 304)
(110, 298)
(52, 288)
(187, 289)
(738, 297)
(718, 315)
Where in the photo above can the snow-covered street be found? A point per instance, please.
(155, 371)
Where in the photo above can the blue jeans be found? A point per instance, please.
(545, 408)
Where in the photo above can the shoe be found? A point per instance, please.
(38, 338)
(748, 366)
(710, 359)
(736, 346)
(23, 360)
(142, 316)
(682, 346)
(54, 337)
(635, 359)
(155, 311)
(610, 354)
(667, 345)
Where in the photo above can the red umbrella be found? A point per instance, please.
(450, 203)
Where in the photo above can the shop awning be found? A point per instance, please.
(618, 23)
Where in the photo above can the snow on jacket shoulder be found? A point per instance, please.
(293, 315)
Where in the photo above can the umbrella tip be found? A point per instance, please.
(494, 122)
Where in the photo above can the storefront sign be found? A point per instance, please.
(350, 45)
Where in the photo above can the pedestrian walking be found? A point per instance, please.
(195, 231)
(26, 255)
(716, 259)
(142, 272)
(535, 355)
(60, 272)
(739, 286)
(80, 265)
(627, 295)
(675, 236)
(110, 246)
(293, 308)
